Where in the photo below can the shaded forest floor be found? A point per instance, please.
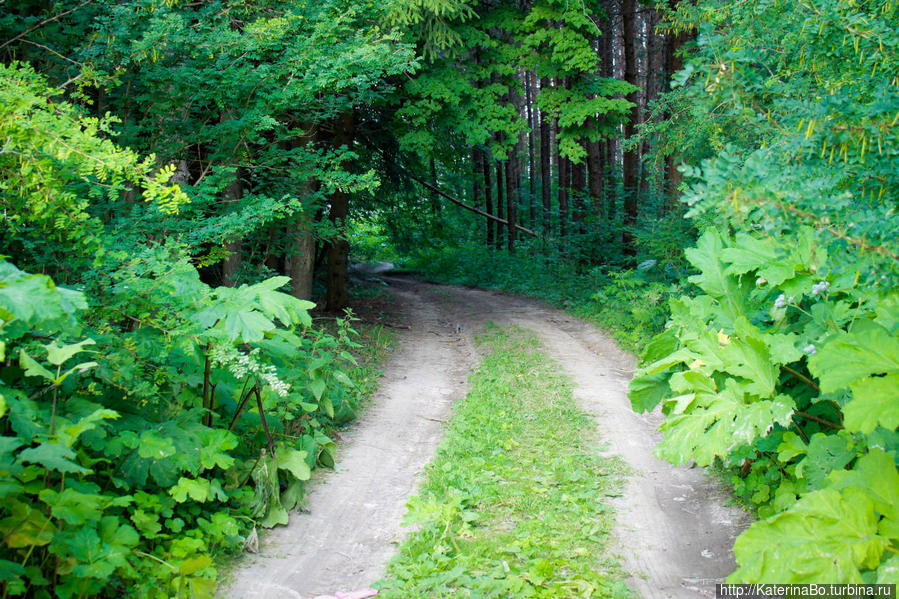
(673, 533)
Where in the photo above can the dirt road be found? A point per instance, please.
(673, 532)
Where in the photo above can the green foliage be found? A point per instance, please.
(509, 505)
(123, 469)
(783, 367)
(787, 363)
(55, 162)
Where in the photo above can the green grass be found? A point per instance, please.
(631, 305)
(515, 502)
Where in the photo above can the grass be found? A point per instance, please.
(631, 305)
(515, 502)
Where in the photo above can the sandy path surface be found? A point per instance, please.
(674, 535)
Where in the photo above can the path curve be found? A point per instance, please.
(674, 534)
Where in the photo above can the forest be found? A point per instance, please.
(185, 185)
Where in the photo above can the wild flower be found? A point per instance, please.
(820, 287)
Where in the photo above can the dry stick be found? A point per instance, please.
(814, 418)
(268, 435)
(458, 202)
(799, 428)
(245, 395)
(802, 378)
(42, 23)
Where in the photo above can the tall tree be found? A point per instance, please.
(631, 161)
(338, 246)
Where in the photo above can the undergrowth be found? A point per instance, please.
(632, 304)
(515, 502)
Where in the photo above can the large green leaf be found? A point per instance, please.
(646, 391)
(155, 446)
(294, 461)
(247, 325)
(26, 526)
(875, 401)
(747, 356)
(715, 424)
(828, 535)
(749, 253)
(825, 454)
(53, 456)
(58, 353)
(876, 474)
(868, 349)
(73, 506)
(706, 256)
(195, 489)
(33, 368)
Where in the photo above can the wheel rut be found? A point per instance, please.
(673, 532)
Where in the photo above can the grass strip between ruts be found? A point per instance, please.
(515, 502)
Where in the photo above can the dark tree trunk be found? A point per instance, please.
(654, 52)
(530, 89)
(545, 163)
(231, 265)
(578, 186)
(500, 196)
(607, 149)
(564, 186)
(672, 63)
(435, 199)
(631, 159)
(299, 262)
(511, 202)
(488, 196)
(595, 175)
(477, 186)
(338, 248)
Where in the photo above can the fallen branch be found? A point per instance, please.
(458, 202)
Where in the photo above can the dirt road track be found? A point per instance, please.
(673, 532)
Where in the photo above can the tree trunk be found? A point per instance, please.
(529, 89)
(607, 70)
(500, 195)
(231, 264)
(299, 261)
(338, 248)
(435, 199)
(488, 196)
(545, 164)
(673, 62)
(477, 181)
(631, 160)
(653, 67)
(595, 175)
(511, 202)
(564, 186)
(578, 186)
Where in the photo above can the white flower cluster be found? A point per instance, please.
(240, 365)
(820, 287)
(781, 301)
(810, 349)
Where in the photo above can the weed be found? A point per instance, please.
(514, 504)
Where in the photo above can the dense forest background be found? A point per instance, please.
(179, 179)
